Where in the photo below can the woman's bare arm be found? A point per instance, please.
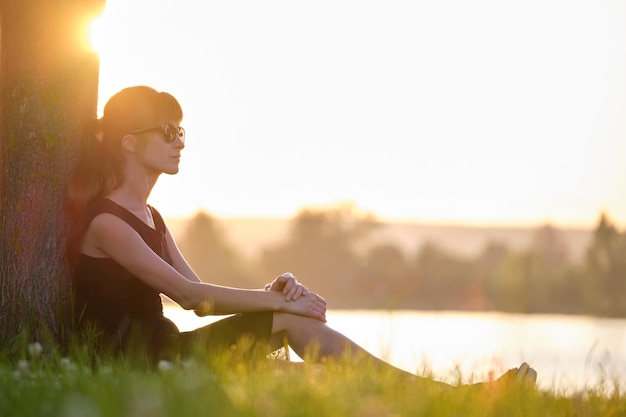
(109, 236)
(179, 261)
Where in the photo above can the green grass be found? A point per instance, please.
(48, 384)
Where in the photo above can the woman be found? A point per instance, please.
(124, 257)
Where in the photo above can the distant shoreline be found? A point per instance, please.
(251, 234)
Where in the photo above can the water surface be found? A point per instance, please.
(569, 352)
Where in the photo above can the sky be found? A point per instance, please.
(452, 111)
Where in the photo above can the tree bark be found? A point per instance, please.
(48, 88)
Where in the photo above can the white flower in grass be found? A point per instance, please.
(23, 365)
(67, 364)
(35, 349)
(165, 366)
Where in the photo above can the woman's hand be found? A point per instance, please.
(289, 286)
(310, 305)
(299, 300)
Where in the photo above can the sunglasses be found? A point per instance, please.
(170, 132)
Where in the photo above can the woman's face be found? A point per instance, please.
(161, 147)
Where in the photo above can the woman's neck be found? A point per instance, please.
(133, 196)
(134, 191)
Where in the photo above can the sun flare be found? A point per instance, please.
(97, 34)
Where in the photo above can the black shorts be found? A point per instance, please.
(245, 334)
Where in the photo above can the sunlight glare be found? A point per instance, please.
(97, 34)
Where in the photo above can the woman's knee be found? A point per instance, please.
(311, 337)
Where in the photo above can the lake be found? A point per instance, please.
(568, 352)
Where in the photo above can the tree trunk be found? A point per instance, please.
(48, 88)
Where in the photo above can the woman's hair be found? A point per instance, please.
(99, 169)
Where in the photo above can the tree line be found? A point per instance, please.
(328, 250)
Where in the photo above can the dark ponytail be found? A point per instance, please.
(86, 182)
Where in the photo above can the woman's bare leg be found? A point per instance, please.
(304, 333)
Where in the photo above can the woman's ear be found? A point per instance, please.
(129, 143)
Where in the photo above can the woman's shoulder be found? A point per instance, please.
(102, 205)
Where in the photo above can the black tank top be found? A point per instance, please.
(110, 298)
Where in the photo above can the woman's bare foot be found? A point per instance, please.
(524, 376)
